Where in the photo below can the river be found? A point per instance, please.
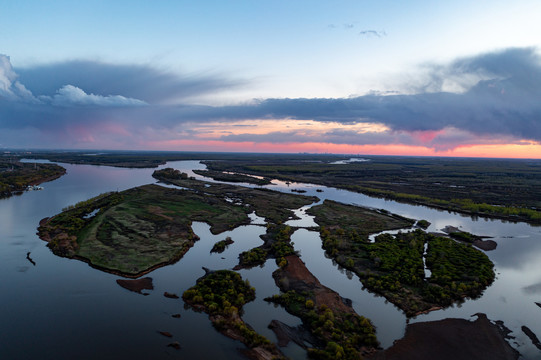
(56, 308)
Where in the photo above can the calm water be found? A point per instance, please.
(62, 308)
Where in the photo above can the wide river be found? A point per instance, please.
(56, 308)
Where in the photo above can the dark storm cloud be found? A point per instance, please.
(505, 101)
(500, 98)
(141, 82)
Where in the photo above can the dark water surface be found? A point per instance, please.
(63, 309)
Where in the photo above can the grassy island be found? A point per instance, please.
(277, 244)
(134, 231)
(393, 265)
(232, 177)
(222, 294)
(220, 246)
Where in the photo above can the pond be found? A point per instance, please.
(55, 308)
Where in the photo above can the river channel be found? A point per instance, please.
(57, 308)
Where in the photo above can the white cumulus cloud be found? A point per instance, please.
(10, 88)
(70, 95)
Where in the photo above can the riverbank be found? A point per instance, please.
(16, 177)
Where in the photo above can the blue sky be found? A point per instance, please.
(225, 54)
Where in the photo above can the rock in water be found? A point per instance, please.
(170, 295)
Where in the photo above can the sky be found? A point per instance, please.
(423, 78)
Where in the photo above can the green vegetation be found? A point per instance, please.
(468, 206)
(342, 335)
(232, 177)
(274, 206)
(501, 188)
(15, 176)
(136, 230)
(395, 270)
(423, 224)
(221, 245)
(152, 159)
(459, 269)
(357, 221)
(348, 332)
(253, 257)
(339, 332)
(487, 187)
(464, 236)
(222, 294)
(172, 174)
(277, 244)
(393, 265)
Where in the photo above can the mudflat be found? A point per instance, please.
(451, 339)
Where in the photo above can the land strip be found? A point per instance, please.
(232, 177)
(339, 331)
(16, 177)
(498, 188)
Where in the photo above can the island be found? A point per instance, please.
(394, 265)
(220, 246)
(17, 177)
(222, 294)
(233, 177)
(133, 232)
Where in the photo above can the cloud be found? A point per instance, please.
(485, 99)
(143, 82)
(10, 87)
(440, 141)
(371, 33)
(504, 101)
(70, 95)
